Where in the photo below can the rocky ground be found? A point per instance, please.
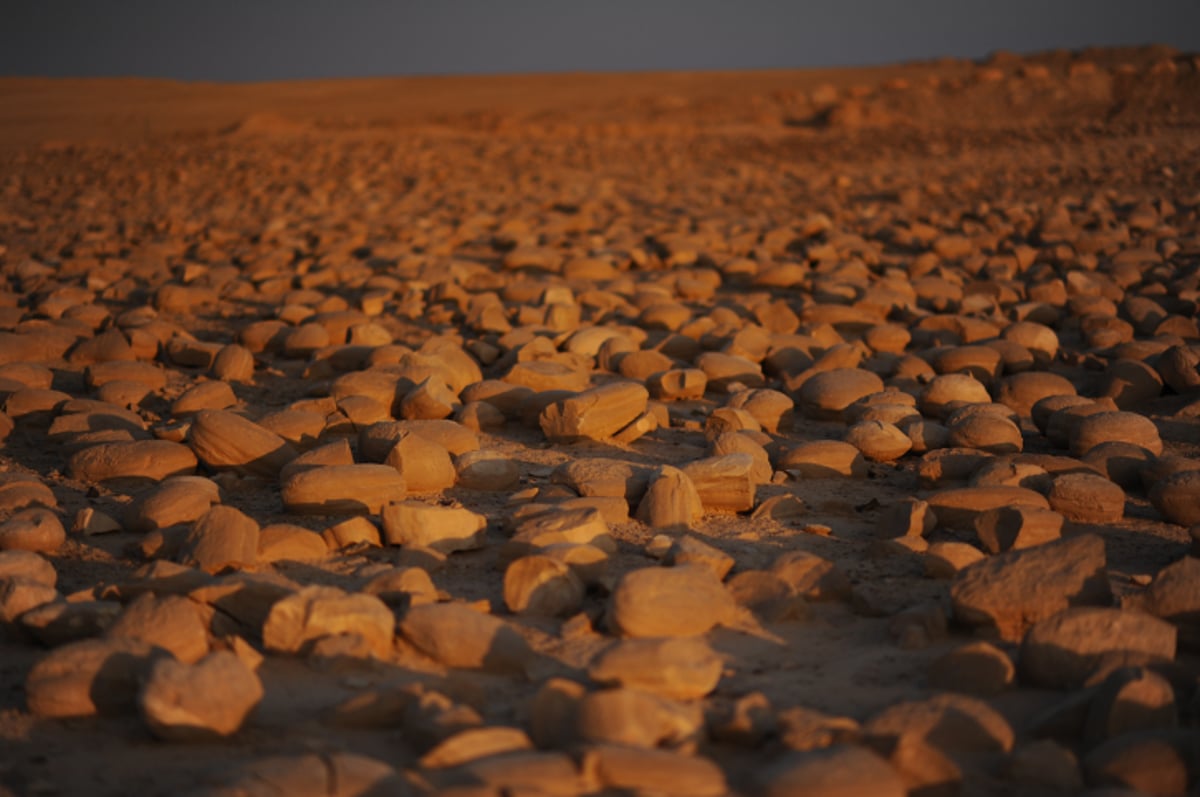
(766, 436)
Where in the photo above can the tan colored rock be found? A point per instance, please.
(1011, 591)
(403, 587)
(595, 414)
(37, 530)
(170, 622)
(689, 550)
(1106, 427)
(1011, 528)
(907, 517)
(208, 699)
(456, 635)
(352, 531)
(342, 489)
(226, 441)
(20, 595)
(315, 612)
(542, 585)
(233, 363)
(878, 441)
(957, 508)
(222, 537)
(141, 460)
(832, 772)
(283, 542)
(82, 679)
(772, 409)
(823, 459)
(424, 464)
(488, 471)
(442, 528)
(677, 384)
(430, 400)
(636, 719)
(811, 576)
(950, 391)
(542, 375)
(180, 499)
(1177, 497)
(669, 602)
(643, 771)
(27, 565)
(683, 668)
(952, 723)
(671, 501)
(976, 668)
(474, 744)
(1064, 651)
(595, 476)
(986, 432)
(946, 558)
(725, 483)
(1130, 700)
(1022, 391)
(1086, 498)
(204, 396)
(825, 395)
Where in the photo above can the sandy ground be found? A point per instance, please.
(294, 200)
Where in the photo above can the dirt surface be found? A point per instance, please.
(781, 217)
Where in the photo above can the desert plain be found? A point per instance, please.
(768, 433)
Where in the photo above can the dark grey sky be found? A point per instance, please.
(282, 39)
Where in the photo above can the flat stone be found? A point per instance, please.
(206, 700)
(443, 528)
(1063, 651)
(342, 489)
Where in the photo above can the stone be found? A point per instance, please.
(688, 550)
(957, 508)
(1046, 764)
(283, 542)
(1177, 497)
(298, 620)
(1011, 528)
(542, 585)
(836, 771)
(947, 558)
(595, 414)
(352, 531)
(724, 483)
(1150, 762)
(170, 622)
(456, 635)
(825, 395)
(180, 499)
(20, 595)
(878, 441)
(442, 528)
(671, 501)
(204, 396)
(424, 464)
(811, 576)
(137, 461)
(767, 595)
(1129, 700)
(908, 517)
(823, 459)
(641, 771)
(1064, 650)
(1109, 427)
(94, 676)
(430, 400)
(205, 700)
(27, 565)
(683, 668)
(976, 668)
(1009, 592)
(952, 723)
(233, 363)
(342, 489)
(36, 530)
(772, 409)
(988, 433)
(403, 587)
(333, 774)
(669, 602)
(594, 476)
(1086, 498)
(636, 719)
(473, 744)
(1174, 595)
(224, 440)
(948, 392)
(488, 471)
(222, 537)
(1022, 391)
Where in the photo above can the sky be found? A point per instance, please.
(257, 40)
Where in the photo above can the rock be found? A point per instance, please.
(1150, 762)
(36, 530)
(352, 531)
(27, 565)
(424, 464)
(1064, 650)
(952, 723)
(403, 587)
(82, 679)
(639, 771)
(180, 499)
(488, 471)
(443, 528)
(878, 441)
(430, 400)
(948, 392)
(958, 508)
(1022, 391)
(204, 396)
(222, 537)
(823, 459)
(632, 718)
(1177, 497)
(1129, 700)
(1011, 591)
(314, 775)
(474, 744)
(908, 517)
(767, 595)
(233, 363)
(837, 771)
(669, 602)
(54, 623)
(206, 700)
(170, 622)
(987, 432)
(141, 460)
(976, 668)
(283, 542)
(678, 384)
(1046, 764)
(772, 409)
(725, 483)
(671, 501)
(456, 635)
(684, 668)
(593, 476)
(947, 558)
(1010, 528)
(542, 585)
(811, 577)
(725, 370)
(595, 414)
(825, 395)
(342, 489)
(20, 595)
(1109, 427)
(1086, 498)
(689, 550)
(315, 612)
(1174, 595)
(226, 441)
